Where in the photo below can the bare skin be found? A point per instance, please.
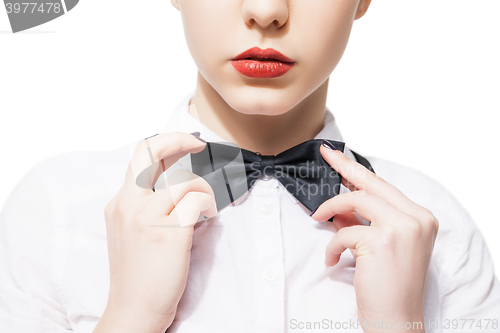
(268, 135)
(150, 236)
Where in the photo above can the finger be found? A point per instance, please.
(345, 238)
(354, 174)
(348, 184)
(347, 220)
(166, 197)
(158, 152)
(358, 178)
(187, 211)
(368, 206)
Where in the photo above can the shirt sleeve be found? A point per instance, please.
(472, 291)
(28, 292)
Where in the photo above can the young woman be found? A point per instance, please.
(116, 256)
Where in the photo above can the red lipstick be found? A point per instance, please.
(258, 63)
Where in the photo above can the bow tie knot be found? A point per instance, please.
(266, 164)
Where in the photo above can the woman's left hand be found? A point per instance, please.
(392, 254)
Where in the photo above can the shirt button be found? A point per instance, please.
(269, 274)
(266, 209)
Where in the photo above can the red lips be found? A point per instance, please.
(258, 63)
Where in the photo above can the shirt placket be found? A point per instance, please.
(270, 285)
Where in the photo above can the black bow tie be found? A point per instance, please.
(231, 171)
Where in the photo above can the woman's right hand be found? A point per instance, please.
(150, 236)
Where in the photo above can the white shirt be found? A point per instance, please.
(258, 266)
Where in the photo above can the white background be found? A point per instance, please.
(419, 85)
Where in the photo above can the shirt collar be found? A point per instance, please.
(182, 121)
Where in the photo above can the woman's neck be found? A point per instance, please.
(268, 135)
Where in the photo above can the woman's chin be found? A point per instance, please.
(271, 103)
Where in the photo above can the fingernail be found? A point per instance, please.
(149, 137)
(313, 211)
(197, 135)
(201, 140)
(328, 145)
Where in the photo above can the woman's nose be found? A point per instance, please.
(265, 12)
